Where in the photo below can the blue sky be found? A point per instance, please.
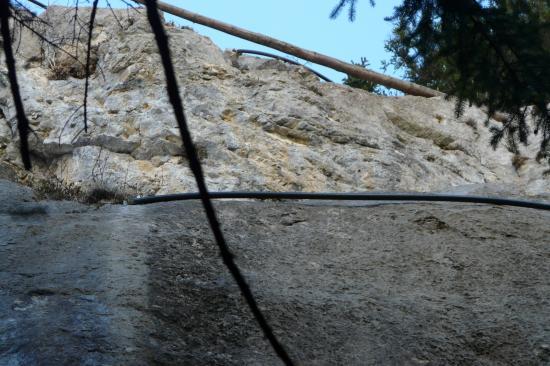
(295, 21)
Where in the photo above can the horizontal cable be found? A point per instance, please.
(284, 59)
(371, 196)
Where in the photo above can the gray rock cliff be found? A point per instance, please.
(259, 124)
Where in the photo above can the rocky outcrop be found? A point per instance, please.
(258, 124)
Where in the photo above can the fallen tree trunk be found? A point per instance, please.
(315, 57)
(350, 69)
(312, 56)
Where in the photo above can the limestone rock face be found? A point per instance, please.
(258, 124)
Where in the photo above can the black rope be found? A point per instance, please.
(287, 60)
(194, 163)
(88, 54)
(22, 121)
(370, 196)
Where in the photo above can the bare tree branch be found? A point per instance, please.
(22, 121)
(195, 165)
(88, 53)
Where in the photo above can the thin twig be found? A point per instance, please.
(54, 45)
(114, 14)
(49, 42)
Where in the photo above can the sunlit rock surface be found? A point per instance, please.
(258, 124)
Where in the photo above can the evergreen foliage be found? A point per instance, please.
(494, 53)
(361, 83)
(342, 4)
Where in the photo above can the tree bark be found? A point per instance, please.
(350, 69)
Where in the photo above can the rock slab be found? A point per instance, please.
(399, 284)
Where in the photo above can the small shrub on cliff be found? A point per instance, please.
(363, 84)
(62, 65)
(54, 189)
